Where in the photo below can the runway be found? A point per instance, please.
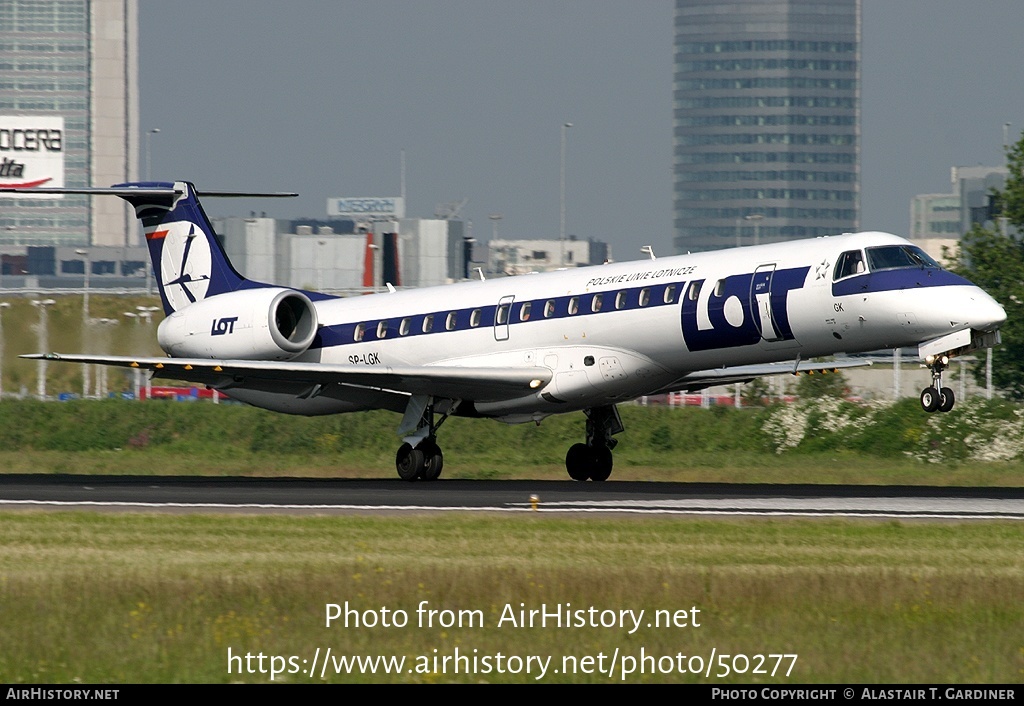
(326, 496)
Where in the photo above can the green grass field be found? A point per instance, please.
(161, 598)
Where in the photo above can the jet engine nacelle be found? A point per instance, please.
(249, 324)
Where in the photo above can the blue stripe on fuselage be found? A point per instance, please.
(344, 333)
(890, 280)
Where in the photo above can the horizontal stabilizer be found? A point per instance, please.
(146, 191)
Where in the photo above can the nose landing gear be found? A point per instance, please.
(937, 398)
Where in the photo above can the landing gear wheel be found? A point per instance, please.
(409, 462)
(947, 399)
(433, 460)
(593, 462)
(602, 463)
(425, 460)
(593, 459)
(578, 461)
(931, 399)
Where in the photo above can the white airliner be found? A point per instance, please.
(518, 349)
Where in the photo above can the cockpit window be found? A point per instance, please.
(849, 263)
(892, 257)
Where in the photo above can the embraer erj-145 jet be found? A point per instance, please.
(518, 349)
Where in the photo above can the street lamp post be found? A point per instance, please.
(897, 372)
(149, 176)
(85, 317)
(44, 324)
(136, 372)
(87, 263)
(495, 217)
(561, 222)
(146, 312)
(102, 370)
(756, 218)
(320, 265)
(376, 266)
(148, 153)
(3, 305)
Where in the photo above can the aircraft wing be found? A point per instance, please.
(700, 379)
(475, 384)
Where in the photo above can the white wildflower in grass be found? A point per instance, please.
(976, 430)
(996, 439)
(789, 425)
(834, 415)
(931, 448)
(786, 426)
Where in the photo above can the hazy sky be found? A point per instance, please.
(320, 97)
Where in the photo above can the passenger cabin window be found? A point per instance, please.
(450, 321)
(620, 300)
(645, 297)
(474, 318)
(595, 304)
(403, 328)
(382, 329)
(670, 294)
(359, 332)
(694, 290)
(501, 317)
(428, 323)
(574, 306)
(892, 257)
(849, 263)
(549, 308)
(524, 311)
(719, 287)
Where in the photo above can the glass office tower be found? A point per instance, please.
(69, 66)
(767, 121)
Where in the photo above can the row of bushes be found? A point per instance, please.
(975, 430)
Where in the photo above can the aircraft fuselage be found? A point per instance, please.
(615, 332)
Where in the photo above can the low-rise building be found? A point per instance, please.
(938, 221)
(516, 257)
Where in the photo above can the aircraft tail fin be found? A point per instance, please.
(189, 263)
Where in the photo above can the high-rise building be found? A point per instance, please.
(68, 116)
(767, 120)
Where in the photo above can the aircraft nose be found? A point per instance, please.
(986, 313)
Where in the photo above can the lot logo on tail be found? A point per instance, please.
(185, 262)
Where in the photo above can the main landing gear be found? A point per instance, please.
(423, 460)
(937, 398)
(593, 459)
